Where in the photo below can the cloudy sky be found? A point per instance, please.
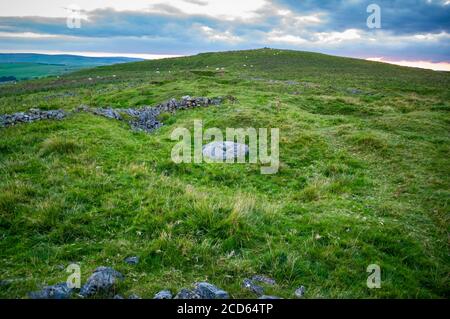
(413, 32)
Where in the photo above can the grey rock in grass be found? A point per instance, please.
(108, 112)
(354, 91)
(102, 281)
(31, 116)
(250, 285)
(269, 297)
(208, 291)
(163, 294)
(134, 296)
(58, 291)
(118, 297)
(221, 151)
(133, 260)
(300, 292)
(187, 294)
(264, 279)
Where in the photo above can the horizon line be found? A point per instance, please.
(421, 64)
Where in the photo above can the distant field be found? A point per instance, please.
(24, 71)
(24, 66)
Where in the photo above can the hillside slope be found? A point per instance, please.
(364, 179)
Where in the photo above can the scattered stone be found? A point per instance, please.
(300, 292)
(270, 81)
(354, 91)
(146, 118)
(134, 296)
(103, 280)
(109, 113)
(250, 285)
(187, 294)
(264, 279)
(118, 297)
(208, 291)
(58, 291)
(31, 116)
(163, 294)
(142, 119)
(269, 297)
(221, 151)
(133, 260)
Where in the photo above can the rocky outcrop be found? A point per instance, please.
(146, 118)
(140, 119)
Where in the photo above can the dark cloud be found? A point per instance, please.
(398, 16)
(169, 31)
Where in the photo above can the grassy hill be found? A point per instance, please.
(29, 65)
(364, 179)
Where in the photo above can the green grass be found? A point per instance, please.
(364, 179)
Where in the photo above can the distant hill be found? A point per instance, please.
(30, 65)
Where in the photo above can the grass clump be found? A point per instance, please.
(58, 145)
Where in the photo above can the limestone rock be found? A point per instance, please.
(102, 281)
(58, 291)
(163, 294)
(208, 291)
(221, 151)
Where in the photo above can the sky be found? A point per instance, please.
(411, 33)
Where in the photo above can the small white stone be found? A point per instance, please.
(300, 292)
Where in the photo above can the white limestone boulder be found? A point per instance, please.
(221, 151)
